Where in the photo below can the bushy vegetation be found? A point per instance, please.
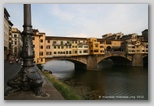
(65, 90)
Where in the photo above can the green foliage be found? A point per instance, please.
(65, 90)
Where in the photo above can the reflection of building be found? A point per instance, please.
(7, 33)
(16, 42)
(39, 46)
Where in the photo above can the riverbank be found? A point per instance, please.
(65, 90)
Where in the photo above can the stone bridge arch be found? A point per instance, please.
(117, 60)
(79, 62)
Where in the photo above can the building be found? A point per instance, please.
(16, 43)
(94, 46)
(112, 45)
(54, 46)
(7, 33)
(65, 46)
(134, 44)
(39, 46)
(111, 36)
(145, 34)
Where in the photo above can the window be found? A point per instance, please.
(61, 42)
(138, 50)
(41, 60)
(95, 50)
(96, 45)
(54, 47)
(48, 41)
(41, 40)
(69, 52)
(15, 42)
(41, 47)
(48, 46)
(41, 53)
(54, 52)
(80, 51)
(85, 51)
(108, 42)
(85, 46)
(101, 46)
(33, 38)
(15, 49)
(54, 42)
(15, 35)
(80, 46)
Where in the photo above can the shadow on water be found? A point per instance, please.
(109, 82)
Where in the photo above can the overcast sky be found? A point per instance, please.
(83, 20)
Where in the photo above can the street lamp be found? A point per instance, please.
(28, 77)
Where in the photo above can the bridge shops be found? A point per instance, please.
(88, 52)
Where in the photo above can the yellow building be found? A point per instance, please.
(94, 46)
(39, 47)
(102, 49)
(112, 45)
(74, 48)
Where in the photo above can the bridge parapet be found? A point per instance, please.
(81, 59)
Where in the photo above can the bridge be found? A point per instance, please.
(90, 62)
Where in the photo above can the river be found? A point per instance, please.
(108, 83)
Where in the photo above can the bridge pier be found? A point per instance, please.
(137, 60)
(92, 62)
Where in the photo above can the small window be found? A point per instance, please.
(15, 35)
(41, 47)
(41, 40)
(41, 53)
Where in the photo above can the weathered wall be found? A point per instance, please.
(137, 60)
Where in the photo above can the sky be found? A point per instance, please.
(83, 20)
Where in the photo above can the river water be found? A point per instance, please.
(108, 83)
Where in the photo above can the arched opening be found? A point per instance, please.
(114, 61)
(64, 68)
(65, 64)
(108, 48)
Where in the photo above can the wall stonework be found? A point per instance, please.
(137, 60)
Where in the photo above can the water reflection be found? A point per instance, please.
(111, 82)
